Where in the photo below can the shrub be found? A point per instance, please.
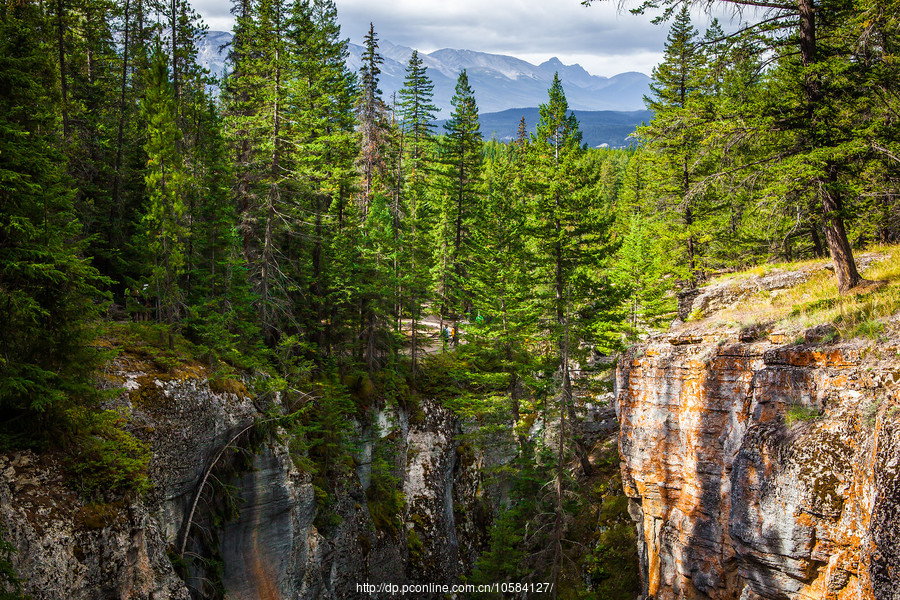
(798, 412)
(106, 457)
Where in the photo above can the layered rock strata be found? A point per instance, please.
(763, 470)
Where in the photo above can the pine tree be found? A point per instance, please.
(674, 134)
(165, 179)
(48, 295)
(322, 93)
(501, 280)
(570, 232)
(257, 125)
(806, 120)
(461, 152)
(417, 113)
(372, 117)
(639, 269)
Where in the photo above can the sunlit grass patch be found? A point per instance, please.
(766, 268)
(817, 301)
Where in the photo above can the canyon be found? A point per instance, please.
(759, 463)
(760, 467)
(273, 545)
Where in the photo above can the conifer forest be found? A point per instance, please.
(292, 241)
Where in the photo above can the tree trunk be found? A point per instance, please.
(117, 203)
(63, 79)
(817, 241)
(835, 233)
(567, 399)
(838, 244)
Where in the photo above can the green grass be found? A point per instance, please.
(799, 413)
(817, 301)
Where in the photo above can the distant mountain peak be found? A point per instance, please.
(500, 82)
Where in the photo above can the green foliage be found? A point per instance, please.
(461, 158)
(106, 458)
(10, 583)
(442, 376)
(165, 179)
(798, 412)
(318, 438)
(640, 269)
(49, 292)
(384, 495)
(150, 341)
(612, 564)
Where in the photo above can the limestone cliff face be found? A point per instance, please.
(762, 469)
(273, 548)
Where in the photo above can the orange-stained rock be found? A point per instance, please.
(734, 503)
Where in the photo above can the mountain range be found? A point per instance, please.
(502, 82)
(600, 128)
(499, 82)
(608, 108)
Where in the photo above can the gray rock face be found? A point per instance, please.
(272, 548)
(763, 471)
(68, 549)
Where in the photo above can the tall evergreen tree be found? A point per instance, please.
(372, 118)
(569, 231)
(461, 153)
(803, 121)
(165, 179)
(501, 277)
(48, 294)
(674, 136)
(323, 153)
(256, 122)
(417, 113)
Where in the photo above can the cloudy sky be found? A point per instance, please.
(602, 39)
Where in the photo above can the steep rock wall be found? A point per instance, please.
(733, 503)
(68, 548)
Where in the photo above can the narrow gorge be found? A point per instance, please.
(245, 523)
(762, 463)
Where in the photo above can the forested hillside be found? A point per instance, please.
(303, 237)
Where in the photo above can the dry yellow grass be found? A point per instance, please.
(859, 313)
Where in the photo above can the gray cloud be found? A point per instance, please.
(601, 38)
(504, 26)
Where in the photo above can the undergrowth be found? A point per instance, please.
(10, 582)
(106, 459)
(799, 413)
(815, 302)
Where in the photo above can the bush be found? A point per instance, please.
(106, 458)
(10, 583)
(385, 497)
(797, 412)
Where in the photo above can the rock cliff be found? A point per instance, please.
(763, 469)
(272, 547)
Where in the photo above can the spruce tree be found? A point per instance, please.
(371, 114)
(570, 232)
(639, 270)
(258, 128)
(49, 293)
(322, 93)
(417, 113)
(809, 115)
(673, 138)
(501, 282)
(461, 153)
(166, 180)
